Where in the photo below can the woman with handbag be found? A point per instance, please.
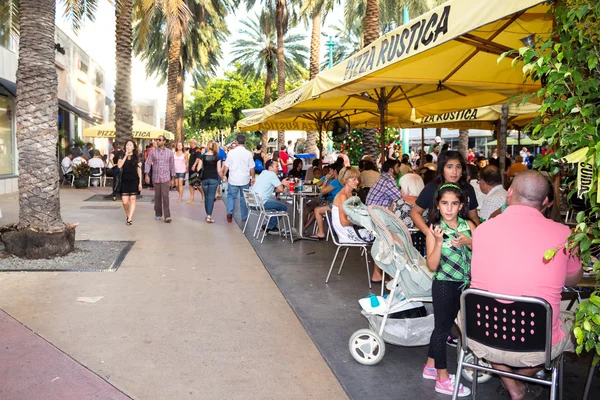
(211, 167)
(131, 173)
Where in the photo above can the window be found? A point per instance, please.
(83, 67)
(6, 136)
(4, 27)
(99, 79)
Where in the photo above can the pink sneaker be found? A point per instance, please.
(429, 373)
(447, 387)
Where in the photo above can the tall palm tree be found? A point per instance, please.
(463, 142)
(40, 232)
(123, 54)
(314, 11)
(256, 52)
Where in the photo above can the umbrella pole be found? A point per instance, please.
(519, 140)
(422, 158)
(502, 140)
(382, 109)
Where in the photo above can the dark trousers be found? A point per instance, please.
(116, 182)
(161, 200)
(446, 303)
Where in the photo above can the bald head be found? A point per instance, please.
(529, 188)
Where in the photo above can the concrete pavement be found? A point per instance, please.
(191, 313)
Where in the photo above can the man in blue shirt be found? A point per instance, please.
(223, 156)
(265, 184)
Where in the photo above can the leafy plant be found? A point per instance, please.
(566, 63)
(81, 170)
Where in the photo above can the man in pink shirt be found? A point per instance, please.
(510, 260)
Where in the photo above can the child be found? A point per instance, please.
(317, 175)
(449, 256)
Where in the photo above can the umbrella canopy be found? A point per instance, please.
(141, 130)
(479, 118)
(443, 61)
(515, 142)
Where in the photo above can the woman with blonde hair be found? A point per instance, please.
(349, 177)
(211, 163)
(411, 186)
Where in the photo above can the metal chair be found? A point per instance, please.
(336, 240)
(524, 324)
(67, 176)
(266, 215)
(419, 241)
(253, 209)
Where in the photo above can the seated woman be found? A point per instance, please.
(349, 178)
(296, 171)
(411, 186)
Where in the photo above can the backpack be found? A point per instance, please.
(258, 166)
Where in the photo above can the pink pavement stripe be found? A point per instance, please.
(29, 366)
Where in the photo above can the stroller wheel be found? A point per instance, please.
(468, 373)
(366, 347)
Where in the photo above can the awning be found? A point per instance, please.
(479, 118)
(514, 142)
(10, 87)
(82, 114)
(441, 62)
(141, 130)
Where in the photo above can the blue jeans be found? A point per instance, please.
(274, 205)
(210, 191)
(232, 194)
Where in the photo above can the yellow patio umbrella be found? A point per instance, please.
(443, 61)
(141, 130)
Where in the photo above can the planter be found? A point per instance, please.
(80, 182)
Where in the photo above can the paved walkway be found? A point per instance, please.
(191, 313)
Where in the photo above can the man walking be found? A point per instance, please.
(240, 165)
(161, 160)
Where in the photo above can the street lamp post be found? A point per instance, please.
(330, 44)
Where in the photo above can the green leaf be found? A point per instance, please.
(549, 254)
(580, 216)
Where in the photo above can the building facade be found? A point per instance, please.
(81, 96)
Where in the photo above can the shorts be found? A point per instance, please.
(527, 359)
(180, 175)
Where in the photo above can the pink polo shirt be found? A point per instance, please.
(508, 258)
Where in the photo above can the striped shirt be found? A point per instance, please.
(162, 163)
(384, 192)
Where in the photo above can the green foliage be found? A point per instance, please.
(82, 169)
(567, 64)
(219, 104)
(353, 143)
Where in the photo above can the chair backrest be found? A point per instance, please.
(258, 202)
(64, 170)
(509, 323)
(419, 241)
(252, 200)
(96, 172)
(334, 235)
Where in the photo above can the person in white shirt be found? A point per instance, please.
(97, 166)
(490, 183)
(67, 164)
(265, 184)
(290, 149)
(240, 164)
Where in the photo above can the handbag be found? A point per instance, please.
(195, 178)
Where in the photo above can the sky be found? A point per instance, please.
(97, 39)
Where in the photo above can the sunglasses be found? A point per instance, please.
(159, 140)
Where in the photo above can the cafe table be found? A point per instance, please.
(299, 199)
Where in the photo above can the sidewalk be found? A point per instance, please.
(191, 313)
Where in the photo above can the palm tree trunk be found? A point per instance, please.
(371, 33)
(40, 232)
(502, 140)
(123, 38)
(267, 100)
(173, 74)
(315, 52)
(463, 143)
(179, 131)
(281, 23)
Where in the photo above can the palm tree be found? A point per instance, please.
(315, 11)
(463, 142)
(40, 232)
(123, 40)
(256, 52)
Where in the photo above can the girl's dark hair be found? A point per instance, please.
(296, 163)
(443, 159)
(134, 153)
(434, 213)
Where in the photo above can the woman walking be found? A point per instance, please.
(212, 165)
(181, 166)
(131, 183)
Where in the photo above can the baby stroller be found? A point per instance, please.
(401, 318)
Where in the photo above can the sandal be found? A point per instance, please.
(316, 237)
(129, 222)
(210, 220)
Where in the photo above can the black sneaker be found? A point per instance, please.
(452, 341)
(273, 231)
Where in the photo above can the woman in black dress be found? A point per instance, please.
(131, 182)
